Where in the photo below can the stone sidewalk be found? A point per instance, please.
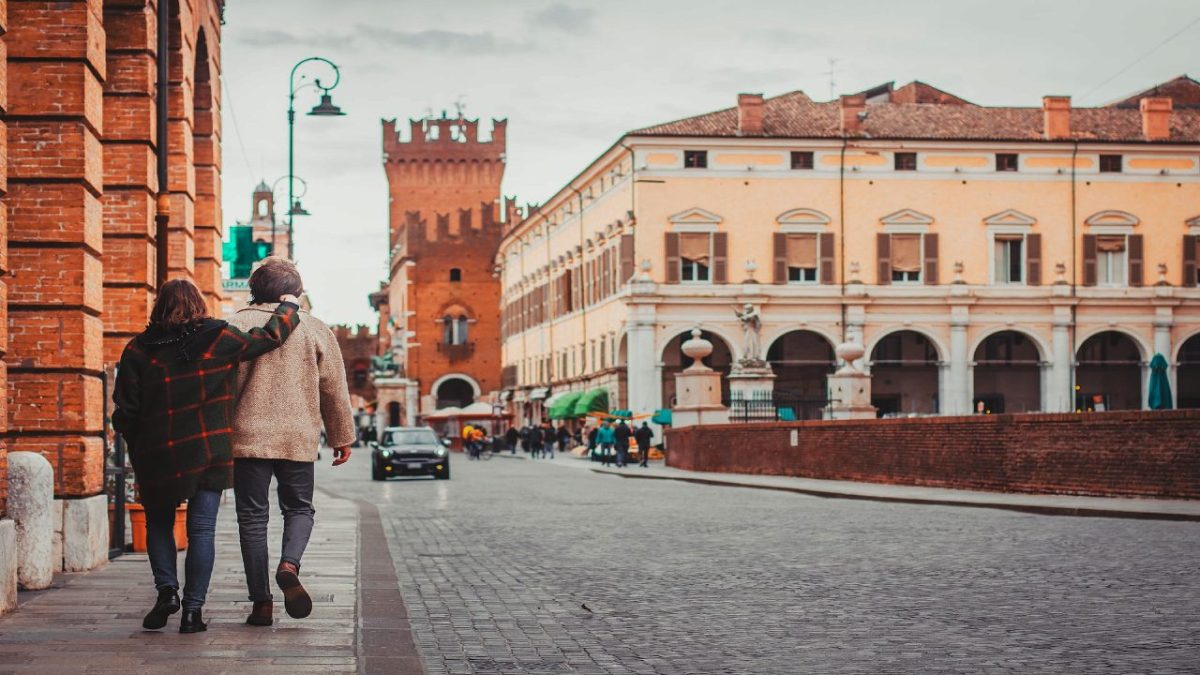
(91, 622)
(1061, 505)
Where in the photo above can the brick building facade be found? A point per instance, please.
(440, 306)
(84, 213)
(358, 345)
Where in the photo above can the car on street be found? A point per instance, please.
(409, 451)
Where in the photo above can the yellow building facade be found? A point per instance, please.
(988, 259)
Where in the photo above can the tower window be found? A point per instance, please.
(455, 274)
(695, 159)
(1006, 161)
(906, 161)
(1110, 164)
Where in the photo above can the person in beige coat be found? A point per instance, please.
(283, 400)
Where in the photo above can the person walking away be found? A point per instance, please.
(623, 434)
(282, 402)
(644, 437)
(174, 397)
(564, 437)
(605, 437)
(535, 441)
(525, 439)
(548, 440)
(511, 437)
(591, 442)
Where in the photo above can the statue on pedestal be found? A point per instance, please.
(751, 328)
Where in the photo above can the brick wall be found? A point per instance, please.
(3, 252)
(1135, 454)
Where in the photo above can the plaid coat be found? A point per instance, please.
(174, 399)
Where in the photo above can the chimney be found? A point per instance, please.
(1056, 111)
(1156, 118)
(853, 108)
(750, 114)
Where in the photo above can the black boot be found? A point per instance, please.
(191, 622)
(166, 605)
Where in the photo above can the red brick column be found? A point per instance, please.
(181, 173)
(130, 178)
(56, 66)
(206, 143)
(3, 251)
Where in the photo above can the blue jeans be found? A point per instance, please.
(201, 531)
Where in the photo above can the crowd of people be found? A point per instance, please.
(608, 442)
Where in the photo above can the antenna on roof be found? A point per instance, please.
(460, 104)
(832, 83)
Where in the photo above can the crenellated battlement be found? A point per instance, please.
(484, 224)
(444, 139)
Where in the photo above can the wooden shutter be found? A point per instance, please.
(608, 275)
(720, 264)
(1191, 250)
(1033, 259)
(931, 258)
(627, 260)
(672, 275)
(1137, 261)
(825, 251)
(1089, 260)
(781, 272)
(883, 252)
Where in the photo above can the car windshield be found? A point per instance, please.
(410, 437)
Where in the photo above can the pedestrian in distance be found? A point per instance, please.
(535, 442)
(644, 437)
(623, 433)
(174, 396)
(511, 438)
(564, 437)
(296, 389)
(605, 438)
(525, 445)
(591, 441)
(548, 440)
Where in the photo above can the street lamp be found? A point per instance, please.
(295, 208)
(325, 108)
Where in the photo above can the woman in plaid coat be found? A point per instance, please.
(174, 400)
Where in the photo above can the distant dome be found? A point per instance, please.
(262, 186)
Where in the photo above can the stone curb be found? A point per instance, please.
(1039, 509)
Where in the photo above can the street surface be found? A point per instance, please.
(518, 566)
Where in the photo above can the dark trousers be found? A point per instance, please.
(251, 484)
(622, 452)
(605, 458)
(201, 530)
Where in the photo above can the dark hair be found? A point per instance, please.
(179, 303)
(274, 277)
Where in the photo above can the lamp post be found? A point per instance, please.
(325, 108)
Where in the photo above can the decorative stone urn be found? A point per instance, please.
(697, 348)
(850, 388)
(698, 388)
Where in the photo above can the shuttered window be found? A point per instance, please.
(906, 257)
(695, 257)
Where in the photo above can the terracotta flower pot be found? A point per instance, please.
(137, 526)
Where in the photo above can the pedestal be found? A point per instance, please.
(850, 396)
(698, 399)
(752, 383)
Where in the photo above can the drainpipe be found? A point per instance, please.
(842, 234)
(162, 214)
(583, 296)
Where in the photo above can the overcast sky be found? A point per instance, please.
(571, 76)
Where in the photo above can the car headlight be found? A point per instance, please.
(385, 453)
(440, 452)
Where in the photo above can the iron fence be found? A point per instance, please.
(776, 407)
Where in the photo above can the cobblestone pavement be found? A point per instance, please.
(525, 567)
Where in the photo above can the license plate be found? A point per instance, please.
(415, 465)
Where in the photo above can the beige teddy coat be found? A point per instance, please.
(286, 396)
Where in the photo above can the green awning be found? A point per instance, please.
(595, 400)
(662, 416)
(623, 414)
(562, 407)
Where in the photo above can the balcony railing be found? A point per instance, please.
(457, 352)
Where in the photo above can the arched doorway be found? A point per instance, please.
(1187, 376)
(1008, 373)
(393, 413)
(674, 360)
(904, 375)
(1108, 373)
(801, 361)
(454, 391)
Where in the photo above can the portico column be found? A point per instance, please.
(644, 375)
(956, 378)
(1060, 392)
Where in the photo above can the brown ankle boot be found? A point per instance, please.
(261, 614)
(295, 598)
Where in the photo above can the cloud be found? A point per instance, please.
(433, 40)
(782, 38)
(566, 18)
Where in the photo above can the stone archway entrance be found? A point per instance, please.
(1108, 373)
(454, 391)
(1187, 377)
(1008, 374)
(801, 361)
(904, 375)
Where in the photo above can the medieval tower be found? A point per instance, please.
(440, 304)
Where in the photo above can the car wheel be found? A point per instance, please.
(376, 471)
